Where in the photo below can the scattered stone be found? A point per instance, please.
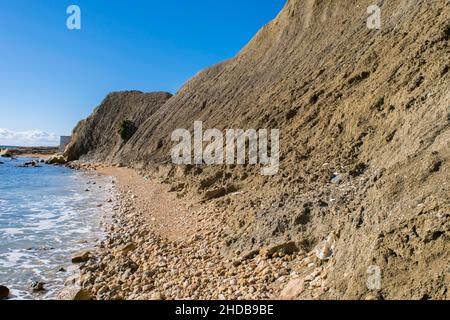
(373, 297)
(157, 296)
(30, 164)
(4, 292)
(127, 248)
(81, 257)
(75, 295)
(435, 165)
(37, 286)
(6, 153)
(134, 262)
(237, 262)
(286, 248)
(293, 289)
(215, 193)
(250, 255)
(336, 179)
(72, 280)
(57, 159)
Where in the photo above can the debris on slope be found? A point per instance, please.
(103, 134)
(367, 106)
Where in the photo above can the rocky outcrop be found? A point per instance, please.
(37, 286)
(365, 133)
(27, 151)
(58, 159)
(74, 294)
(5, 153)
(4, 292)
(81, 257)
(98, 136)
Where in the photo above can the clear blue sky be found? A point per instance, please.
(51, 77)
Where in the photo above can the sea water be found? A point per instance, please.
(47, 213)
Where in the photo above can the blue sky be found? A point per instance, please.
(52, 77)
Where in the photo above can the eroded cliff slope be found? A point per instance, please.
(97, 137)
(368, 107)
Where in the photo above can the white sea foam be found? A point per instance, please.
(12, 231)
(44, 213)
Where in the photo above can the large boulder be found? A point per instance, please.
(4, 292)
(81, 257)
(74, 294)
(37, 286)
(31, 164)
(5, 153)
(293, 289)
(57, 159)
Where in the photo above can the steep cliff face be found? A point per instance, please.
(97, 138)
(368, 107)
